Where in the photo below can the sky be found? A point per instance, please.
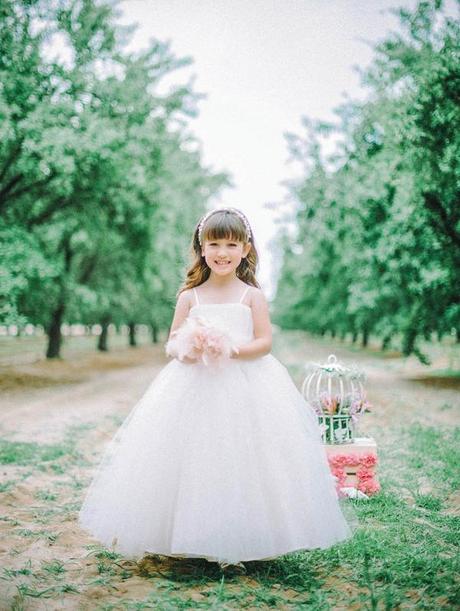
(262, 64)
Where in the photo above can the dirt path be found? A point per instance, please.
(77, 405)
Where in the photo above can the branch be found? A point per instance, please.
(30, 187)
(58, 204)
(442, 220)
(12, 158)
(89, 268)
(7, 188)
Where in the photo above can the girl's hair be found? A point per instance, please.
(221, 224)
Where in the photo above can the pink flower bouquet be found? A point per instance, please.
(198, 339)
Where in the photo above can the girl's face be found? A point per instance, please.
(224, 255)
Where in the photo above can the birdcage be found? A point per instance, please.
(337, 395)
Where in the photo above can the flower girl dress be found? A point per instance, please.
(220, 463)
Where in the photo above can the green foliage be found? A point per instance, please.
(100, 182)
(377, 244)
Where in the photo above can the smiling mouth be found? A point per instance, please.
(223, 262)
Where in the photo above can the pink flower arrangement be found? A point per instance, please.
(329, 404)
(340, 460)
(369, 486)
(365, 474)
(353, 460)
(353, 404)
(198, 339)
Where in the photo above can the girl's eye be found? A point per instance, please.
(214, 244)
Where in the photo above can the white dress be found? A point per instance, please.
(226, 465)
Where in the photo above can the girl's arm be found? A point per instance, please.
(180, 314)
(181, 311)
(262, 344)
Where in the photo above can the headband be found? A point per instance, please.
(234, 210)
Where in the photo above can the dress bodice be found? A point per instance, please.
(234, 318)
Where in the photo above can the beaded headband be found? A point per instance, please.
(234, 210)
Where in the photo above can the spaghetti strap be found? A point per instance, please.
(196, 296)
(244, 294)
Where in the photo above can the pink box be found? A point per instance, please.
(354, 464)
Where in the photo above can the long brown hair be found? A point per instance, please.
(221, 224)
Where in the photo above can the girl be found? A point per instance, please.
(222, 457)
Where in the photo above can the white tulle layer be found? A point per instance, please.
(227, 466)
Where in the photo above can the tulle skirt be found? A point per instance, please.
(225, 465)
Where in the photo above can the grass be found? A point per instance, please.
(404, 553)
(26, 453)
(55, 457)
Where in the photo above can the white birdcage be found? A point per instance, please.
(337, 395)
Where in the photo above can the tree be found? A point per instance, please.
(378, 221)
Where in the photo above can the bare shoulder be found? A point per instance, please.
(257, 297)
(260, 315)
(184, 300)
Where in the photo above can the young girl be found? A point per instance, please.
(222, 457)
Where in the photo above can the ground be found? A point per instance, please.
(57, 416)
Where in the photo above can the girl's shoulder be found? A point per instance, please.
(254, 295)
(185, 297)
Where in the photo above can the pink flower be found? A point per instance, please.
(368, 460)
(369, 486)
(197, 338)
(364, 474)
(353, 460)
(339, 460)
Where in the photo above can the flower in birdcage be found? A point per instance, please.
(360, 403)
(328, 403)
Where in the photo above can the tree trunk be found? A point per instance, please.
(54, 332)
(365, 339)
(409, 341)
(102, 345)
(386, 342)
(154, 332)
(132, 334)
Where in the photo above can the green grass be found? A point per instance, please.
(54, 567)
(404, 554)
(44, 457)
(26, 453)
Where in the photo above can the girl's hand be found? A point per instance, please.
(234, 354)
